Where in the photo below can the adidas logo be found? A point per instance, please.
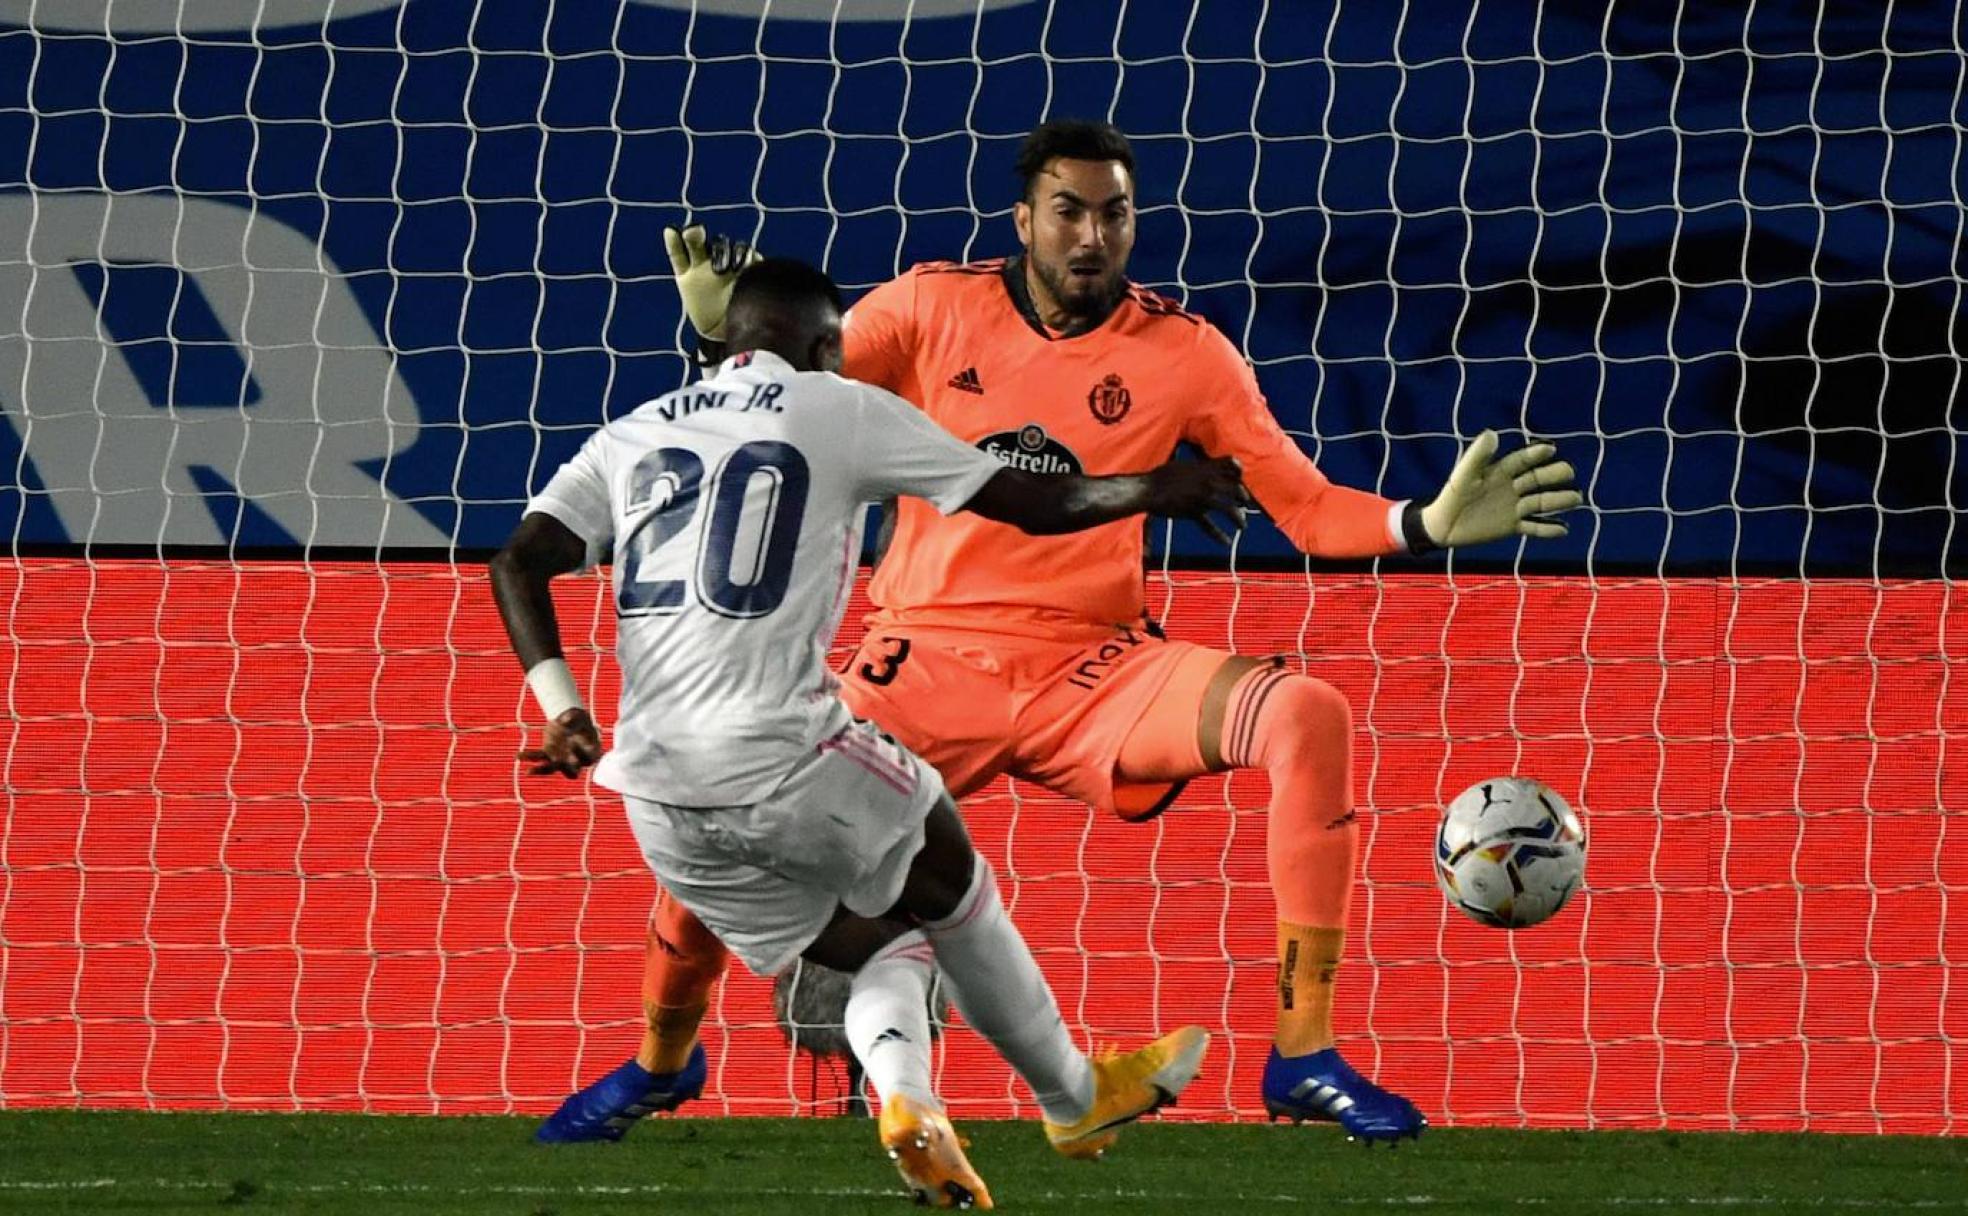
(967, 381)
(1324, 1096)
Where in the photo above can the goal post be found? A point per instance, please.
(299, 302)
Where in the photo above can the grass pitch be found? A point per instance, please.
(118, 1162)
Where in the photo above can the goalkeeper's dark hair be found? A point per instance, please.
(1073, 139)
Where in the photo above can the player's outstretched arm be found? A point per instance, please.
(540, 548)
(1488, 499)
(1181, 489)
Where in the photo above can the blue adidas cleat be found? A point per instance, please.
(1325, 1087)
(608, 1108)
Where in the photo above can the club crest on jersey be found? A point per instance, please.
(1030, 450)
(1110, 400)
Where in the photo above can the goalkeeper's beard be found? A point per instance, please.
(1083, 300)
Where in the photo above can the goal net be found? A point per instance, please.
(300, 300)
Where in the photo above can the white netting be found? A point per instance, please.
(293, 315)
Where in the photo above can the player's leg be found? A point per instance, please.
(765, 879)
(682, 962)
(941, 702)
(943, 696)
(946, 695)
(1299, 730)
(1253, 713)
(1123, 721)
(887, 1025)
(996, 984)
(887, 1017)
(993, 979)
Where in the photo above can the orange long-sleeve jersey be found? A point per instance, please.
(962, 343)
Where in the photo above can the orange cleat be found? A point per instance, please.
(1126, 1087)
(930, 1156)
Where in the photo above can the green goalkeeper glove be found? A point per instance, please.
(706, 271)
(1487, 499)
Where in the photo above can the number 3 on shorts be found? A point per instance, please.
(891, 663)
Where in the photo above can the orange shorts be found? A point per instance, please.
(1056, 713)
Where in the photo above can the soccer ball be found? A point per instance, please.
(1509, 852)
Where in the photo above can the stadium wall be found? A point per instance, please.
(268, 849)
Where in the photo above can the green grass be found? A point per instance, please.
(116, 1162)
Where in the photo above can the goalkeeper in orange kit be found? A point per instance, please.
(992, 651)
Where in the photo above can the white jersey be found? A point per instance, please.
(733, 510)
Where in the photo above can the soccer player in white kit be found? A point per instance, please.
(732, 512)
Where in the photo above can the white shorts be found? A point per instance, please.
(842, 828)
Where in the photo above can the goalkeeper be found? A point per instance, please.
(992, 651)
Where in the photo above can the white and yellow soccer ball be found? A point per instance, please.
(1509, 852)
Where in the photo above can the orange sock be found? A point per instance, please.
(681, 962)
(1308, 958)
(1300, 731)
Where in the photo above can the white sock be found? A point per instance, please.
(887, 1020)
(996, 985)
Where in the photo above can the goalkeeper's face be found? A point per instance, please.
(1077, 226)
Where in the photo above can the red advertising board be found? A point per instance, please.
(266, 847)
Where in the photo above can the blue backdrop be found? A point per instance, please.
(1716, 261)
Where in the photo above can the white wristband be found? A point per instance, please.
(553, 687)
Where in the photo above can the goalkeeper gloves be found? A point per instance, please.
(706, 271)
(1487, 499)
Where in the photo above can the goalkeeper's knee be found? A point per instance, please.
(1278, 718)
